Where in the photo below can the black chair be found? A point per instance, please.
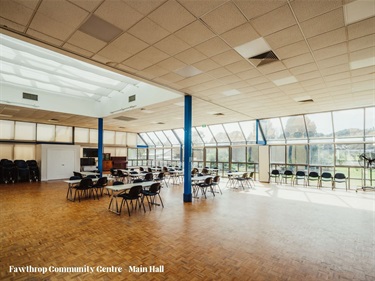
(161, 179)
(288, 174)
(205, 185)
(9, 173)
(135, 193)
(34, 170)
(325, 177)
(313, 176)
(137, 180)
(22, 170)
(205, 171)
(216, 183)
(121, 176)
(84, 188)
(100, 185)
(300, 175)
(274, 174)
(151, 193)
(77, 174)
(243, 180)
(149, 177)
(113, 173)
(340, 178)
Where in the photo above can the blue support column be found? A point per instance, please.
(257, 131)
(187, 149)
(100, 146)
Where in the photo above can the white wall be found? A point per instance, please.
(264, 163)
(58, 161)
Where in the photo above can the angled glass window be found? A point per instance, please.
(239, 154)
(210, 155)
(223, 154)
(249, 130)
(159, 157)
(146, 139)
(142, 153)
(132, 153)
(219, 134)
(163, 138)
(272, 130)
(196, 139)
(253, 154)
(154, 139)
(297, 154)
(171, 137)
(206, 135)
(176, 153)
(234, 132)
(348, 154)
(198, 154)
(319, 126)
(151, 155)
(349, 125)
(321, 154)
(180, 135)
(370, 124)
(294, 128)
(277, 154)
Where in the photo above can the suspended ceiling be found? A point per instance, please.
(323, 55)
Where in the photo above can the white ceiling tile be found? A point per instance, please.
(298, 60)
(213, 47)
(324, 23)
(284, 37)
(239, 66)
(206, 65)
(292, 50)
(335, 69)
(308, 76)
(171, 77)
(328, 39)
(45, 37)
(144, 7)
(87, 5)
(303, 68)
(190, 56)
(248, 74)
(240, 35)
(362, 28)
(271, 67)
(152, 55)
(331, 51)
(267, 24)
(172, 45)
(227, 57)
(114, 54)
(194, 33)
(362, 43)
(309, 9)
(137, 62)
(201, 7)
(224, 18)
(171, 64)
(11, 25)
(252, 9)
(148, 31)
(86, 42)
(77, 50)
(16, 12)
(219, 72)
(118, 14)
(171, 16)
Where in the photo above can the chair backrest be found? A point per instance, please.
(149, 170)
(245, 175)
(161, 176)
(216, 179)
(91, 176)
(137, 180)
(102, 181)
(78, 175)
(208, 180)
(85, 183)
(300, 174)
(21, 164)
(275, 172)
(149, 177)
(340, 176)
(165, 169)
(288, 173)
(313, 175)
(74, 178)
(155, 187)
(113, 172)
(326, 175)
(141, 169)
(205, 171)
(251, 175)
(118, 183)
(135, 190)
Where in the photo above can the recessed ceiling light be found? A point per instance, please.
(362, 63)
(233, 92)
(253, 48)
(219, 114)
(144, 110)
(53, 120)
(188, 71)
(358, 10)
(285, 81)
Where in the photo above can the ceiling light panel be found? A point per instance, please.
(253, 48)
(188, 71)
(358, 10)
(231, 92)
(285, 81)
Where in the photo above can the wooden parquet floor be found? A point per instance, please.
(271, 233)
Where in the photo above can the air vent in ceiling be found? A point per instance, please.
(125, 118)
(131, 98)
(28, 96)
(264, 58)
(307, 100)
